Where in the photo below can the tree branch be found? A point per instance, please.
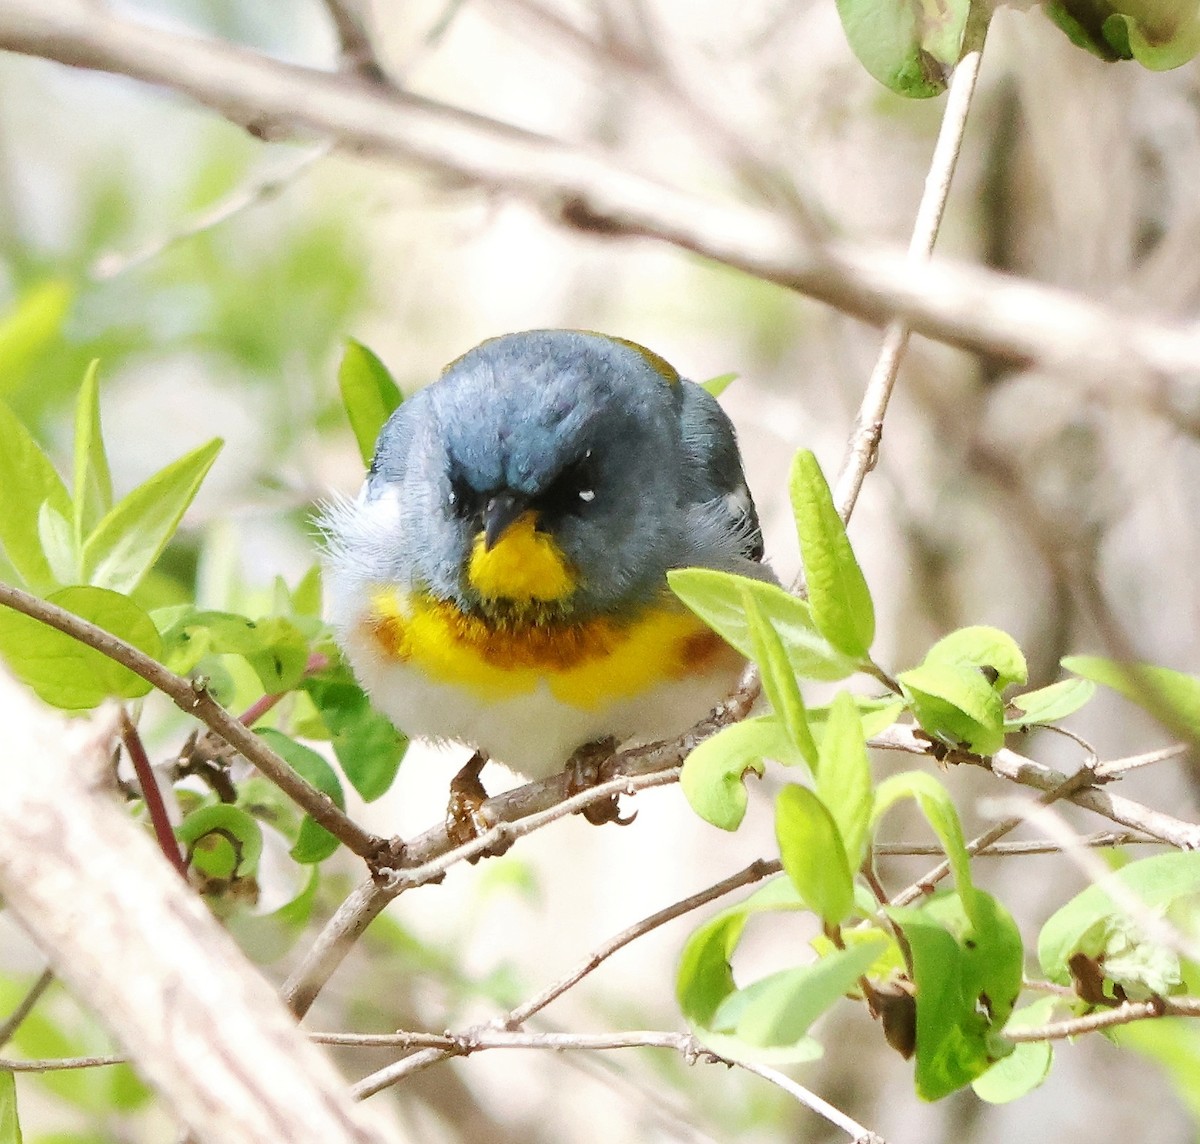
(967, 306)
(194, 700)
(136, 945)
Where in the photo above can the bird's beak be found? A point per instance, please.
(499, 512)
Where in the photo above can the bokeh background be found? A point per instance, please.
(216, 277)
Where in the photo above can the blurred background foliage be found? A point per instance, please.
(998, 490)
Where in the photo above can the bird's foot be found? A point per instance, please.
(466, 815)
(583, 773)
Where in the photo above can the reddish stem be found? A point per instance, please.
(152, 796)
(257, 709)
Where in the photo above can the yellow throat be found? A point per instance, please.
(523, 565)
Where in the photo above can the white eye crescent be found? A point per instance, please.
(587, 495)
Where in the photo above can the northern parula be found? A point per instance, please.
(500, 581)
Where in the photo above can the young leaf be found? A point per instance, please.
(67, 673)
(705, 977)
(27, 481)
(910, 48)
(717, 598)
(368, 393)
(131, 536)
(1027, 1065)
(957, 1030)
(982, 647)
(837, 591)
(939, 811)
(314, 843)
(92, 490)
(366, 744)
(1088, 923)
(58, 545)
(222, 841)
(714, 774)
(780, 1009)
(956, 705)
(10, 1124)
(779, 682)
(813, 854)
(717, 385)
(844, 776)
(1048, 704)
(1168, 695)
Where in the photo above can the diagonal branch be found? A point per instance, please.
(967, 306)
(191, 698)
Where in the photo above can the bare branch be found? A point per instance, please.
(1017, 768)
(15, 1019)
(130, 940)
(430, 854)
(862, 449)
(967, 306)
(1124, 1014)
(194, 700)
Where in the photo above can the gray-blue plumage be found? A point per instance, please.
(630, 468)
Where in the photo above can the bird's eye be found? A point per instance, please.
(462, 500)
(572, 490)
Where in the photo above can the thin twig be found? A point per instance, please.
(152, 795)
(1101, 840)
(755, 872)
(14, 1020)
(863, 447)
(59, 1064)
(356, 53)
(193, 699)
(1123, 1014)
(260, 190)
(433, 851)
(809, 1099)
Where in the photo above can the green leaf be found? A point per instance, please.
(837, 590)
(1094, 923)
(10, 1124)
(717, 598)
(1159, 35)
(967, 978)
(956, 705)
(267, 937)
(30, 328)
(713, 775)
(1170, 696)
(938, 808)
(131, 536)
(92, 492)
(58, 545)
(844, 777)
(778, 680)
(27, 481)
(717, 385)
(982, 647)
(222, 841)
(910, 48)
(780, 1009)
(1048, 704)
(368, 393)
(67, 673)
(314, 843)
(813, 854)
(1026, 1066)
(705, 976)
(368, 747)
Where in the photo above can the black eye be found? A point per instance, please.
(464, 502)
(571, 491)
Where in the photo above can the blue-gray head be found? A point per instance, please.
(557, 470)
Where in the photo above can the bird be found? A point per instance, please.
(501, 579)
